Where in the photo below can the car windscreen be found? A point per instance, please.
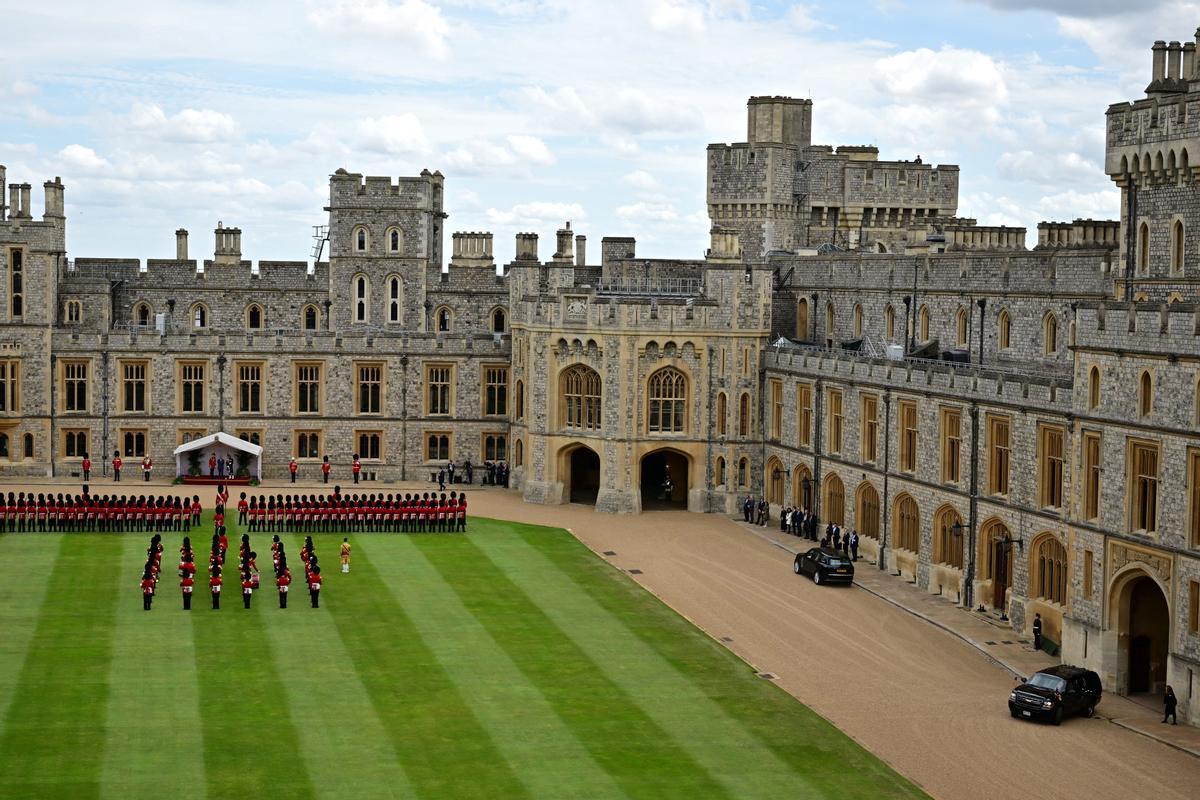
(1043, 681)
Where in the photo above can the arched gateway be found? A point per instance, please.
(664, 480)
(580, 471)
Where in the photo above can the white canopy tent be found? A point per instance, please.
(223, 446)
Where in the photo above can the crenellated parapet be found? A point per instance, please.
(1082, 233)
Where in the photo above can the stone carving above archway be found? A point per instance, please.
(1123, 555)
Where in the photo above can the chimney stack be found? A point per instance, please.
(181, 253)
(14, 201)
(229, 245)
(562, 252)
(1174, 50)
(581, 251)
(54, 198)
(26, 191)
(1160, 60)
(1189, 60)
(527, 247)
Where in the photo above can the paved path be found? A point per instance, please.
(909, 676)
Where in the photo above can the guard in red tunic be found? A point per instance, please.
(87, 467)
(147, 588)
(314, 586)
(214, 584)
(462, 512)
(116, 464)
(283, 578)
(186, 581)
(247, 588)
(356, 467)
(325, 467)
(293, 467)
(147, 465)
(242, 508)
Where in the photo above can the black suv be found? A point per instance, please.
(825, 565)
(1055, 693)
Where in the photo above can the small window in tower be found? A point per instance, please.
(360, 240)
(498, 321)
(310, 318)
(394, 241)
(254, 319)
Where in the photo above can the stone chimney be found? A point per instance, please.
(1189, 60)
(24, 209)
(581, 251)
(563, 253)
(1158, 80)
(229, 245)
(53, 192)
(14, 201)
(527, 247)
(472, 249)
(181, 253)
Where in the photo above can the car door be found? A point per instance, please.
(1074, 699)
(810, 562)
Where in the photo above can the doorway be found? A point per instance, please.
(1148, 630)
(664, 480)
(583, 475)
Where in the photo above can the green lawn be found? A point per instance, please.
(507, 663)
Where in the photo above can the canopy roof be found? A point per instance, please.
(222, 439)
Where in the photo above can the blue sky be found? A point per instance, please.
(161, 114)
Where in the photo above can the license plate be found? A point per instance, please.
(843, 570)
(1026, 713)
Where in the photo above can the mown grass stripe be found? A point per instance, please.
(829, 759)
(442, 746)
(644, 757)
(60, 701)
(315, 669)
(743, 762)
(154, 725)
(25, 565)
(528, 730)
(250, 743)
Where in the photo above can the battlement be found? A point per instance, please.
(1150, 328)
(1080, 233)
(983, 237)
(353, 190)
(779, 120)
(472, 249)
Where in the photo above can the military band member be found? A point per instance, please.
(87, 467)
(186, 582)
(147, 465)
(116, 465)
(345, 555)
(283, 578)
(214, 584)
(147, 588)
(314, 586)
(293, 467)
(247, 587)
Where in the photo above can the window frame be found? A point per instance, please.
(444, 405)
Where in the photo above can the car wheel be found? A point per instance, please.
(1090, 711)
(817, 577)
(796, 567)
(1058, 716)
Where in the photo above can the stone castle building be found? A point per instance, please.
(1008, 427)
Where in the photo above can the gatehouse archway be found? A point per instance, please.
(664, 480)
(581, 466)
(1143, 625)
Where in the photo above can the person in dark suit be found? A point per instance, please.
(1169, 702)
(1037, 631)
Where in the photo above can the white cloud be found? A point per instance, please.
(17, 88)
(189, 125)
(1071, 205)
(1074, 8)
(532, 149)
(409, 22)
(516, 155)
(677, 16)
(394, 134)
(76, 157)
(648, 212)
(641, 180)
(1048, 169)
(624, 111)
(803, 19)
(535, 214)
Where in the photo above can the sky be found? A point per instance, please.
(161, 114)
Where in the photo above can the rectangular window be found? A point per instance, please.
(495, 447)
(249, 389)
(369, 445)
(251, 435)
(776, 409)
(835, 421)
(16, 283)
(870, 428)
(75, 386)
(133, 443)
(133, 386)
(1193, 607)
(951, 445)
(190, 434)
(370, 388)
(437, 446)
(307, 444)
(1091, 476)
(308, 388)
(1088, 558)
(1194, 498)
(191, 384)
(1050, 467)
(10, 387)
(908, 435)
(998, 455)
(495, 391)
(1143, 487)
(437, 389)
(804, 404)
(75, 443)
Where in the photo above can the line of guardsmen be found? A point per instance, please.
(410, 513)
(24, 512)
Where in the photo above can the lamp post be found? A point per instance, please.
(957, 529)
(1003, 548)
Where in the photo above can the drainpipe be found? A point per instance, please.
(982, 303)
(887, 470)
(1131, 237)
(53, 401)
(104, 413)
(221, 362)
(404, 419)
(973, 514)
(818, 393)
